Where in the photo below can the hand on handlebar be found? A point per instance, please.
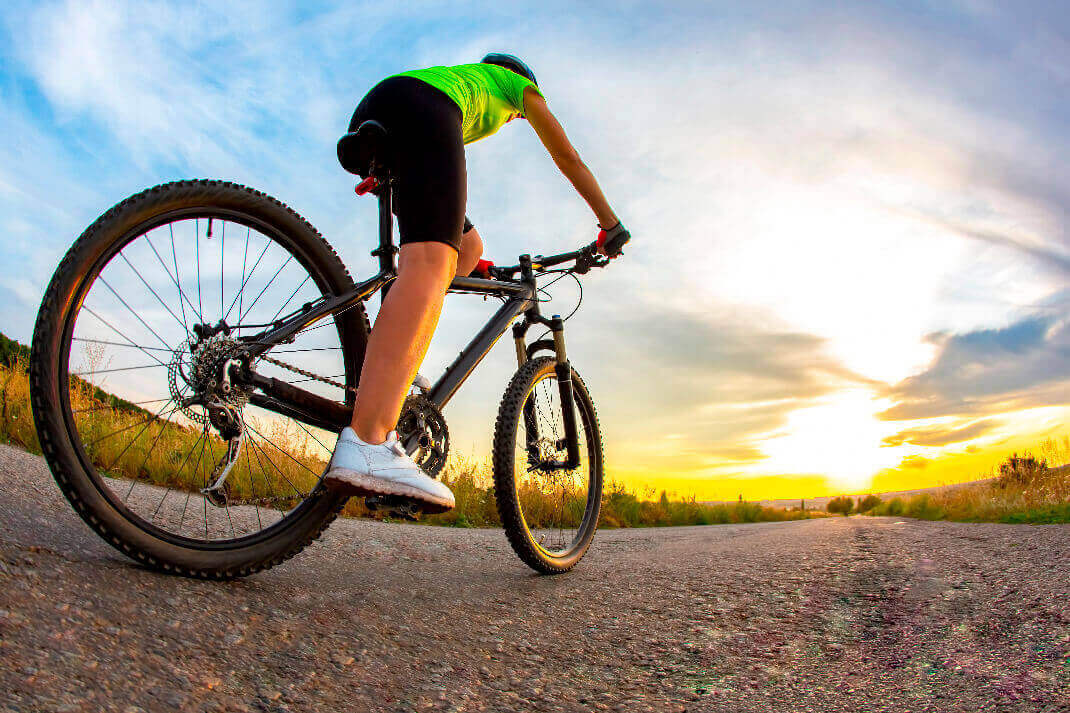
(611, 242)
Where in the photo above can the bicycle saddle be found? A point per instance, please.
(366, 151)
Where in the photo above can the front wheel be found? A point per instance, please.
(550, 514)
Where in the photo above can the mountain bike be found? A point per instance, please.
(199, 347)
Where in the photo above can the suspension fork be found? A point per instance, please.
(531, 424)
(564, 385)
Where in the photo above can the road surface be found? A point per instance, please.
(851, 614)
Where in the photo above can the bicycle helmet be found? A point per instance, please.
(511, 63)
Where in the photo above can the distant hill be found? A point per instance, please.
(10, 351)
(820, 503)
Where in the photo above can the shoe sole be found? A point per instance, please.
(351, 482)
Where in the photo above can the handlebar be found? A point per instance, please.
(585, 258)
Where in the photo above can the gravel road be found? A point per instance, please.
(851, 614)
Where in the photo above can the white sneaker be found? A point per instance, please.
(361, 468)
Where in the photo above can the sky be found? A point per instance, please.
(850, 223)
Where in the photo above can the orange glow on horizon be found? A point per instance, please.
(894, 468)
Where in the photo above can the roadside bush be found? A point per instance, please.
(842, 505)
(1021, 471)
(893, 507)
(868, 503)
(923, 508)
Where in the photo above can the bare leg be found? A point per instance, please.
(401, 335)
(471, 250)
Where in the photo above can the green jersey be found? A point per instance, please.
(488, 95)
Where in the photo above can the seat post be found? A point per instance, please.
(386, 232)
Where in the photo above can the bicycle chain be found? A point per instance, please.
(308, 374)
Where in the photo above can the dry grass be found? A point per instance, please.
(1033, 488)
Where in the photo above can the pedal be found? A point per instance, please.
(395, 506)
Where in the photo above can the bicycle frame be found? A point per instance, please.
(291, 401)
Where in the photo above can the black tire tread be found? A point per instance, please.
(50, 315)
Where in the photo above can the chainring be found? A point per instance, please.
(421, 420)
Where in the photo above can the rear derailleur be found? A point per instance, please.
(226, 419)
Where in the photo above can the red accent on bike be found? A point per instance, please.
(483, 268)
(367, 185)
(601, 242)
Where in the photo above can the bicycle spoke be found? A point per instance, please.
(178, 276)
(226, 506)
(109, 407)
(148, 453)
(131, 341)
(182, 299)
(303, 428)
(133, 312)
(160, 505)
(222, 247)
(118, 368)
(272, 444)
(197, 242)
(318, 441)
(132, 441)
(263, 471)
(311, 378)
(154, 293)
(290, 298)
(249, 477)
(120, 344)
(308, 349)
(127, 428)
(181, 467)
(245, 280)
(276, 467)
(241, 315)
(244, 261)
(195, 470)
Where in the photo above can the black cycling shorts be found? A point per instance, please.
(428, 158)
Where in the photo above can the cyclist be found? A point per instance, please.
(430, 115)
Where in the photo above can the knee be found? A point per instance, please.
(427, 261)
(470, 252)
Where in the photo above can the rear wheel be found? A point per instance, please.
(550, 514)
(132, 413)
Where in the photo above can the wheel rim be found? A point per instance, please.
(130, 339)
(558, 507)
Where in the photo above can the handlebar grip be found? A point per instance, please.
(611, 242)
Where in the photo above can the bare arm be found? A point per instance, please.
(553, 137)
